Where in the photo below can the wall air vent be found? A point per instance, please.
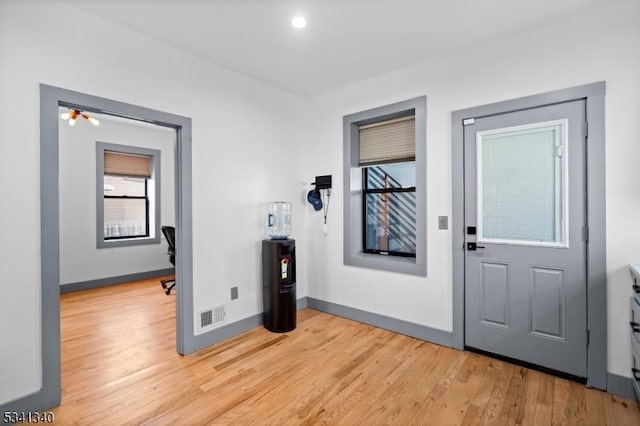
(211, 317)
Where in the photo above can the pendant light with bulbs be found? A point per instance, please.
(73, 114)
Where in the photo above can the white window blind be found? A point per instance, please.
(388, 141)
(520, 184)
(121, 164)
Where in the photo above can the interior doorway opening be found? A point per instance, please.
(116, 190)
(51, 99)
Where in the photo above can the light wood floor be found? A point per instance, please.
(119, 366)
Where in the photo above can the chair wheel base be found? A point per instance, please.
(167, 287)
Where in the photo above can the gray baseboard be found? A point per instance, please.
(226, 331)
(104, 282)
(422, 332)
(28, 403)
(301, 303)
(620, 386)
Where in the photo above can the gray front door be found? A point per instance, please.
(525, 280)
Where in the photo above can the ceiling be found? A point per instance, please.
(345, 41)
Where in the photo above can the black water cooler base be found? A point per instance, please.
(279, 285)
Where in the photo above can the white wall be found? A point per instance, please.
(601, 43)
(80, 260)
(245, 151)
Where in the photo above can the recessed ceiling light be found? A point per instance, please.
(299, 22)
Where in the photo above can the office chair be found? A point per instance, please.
(170, 234)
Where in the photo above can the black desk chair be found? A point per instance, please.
(170, 234)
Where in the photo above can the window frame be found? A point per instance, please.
(152, 192)
(354, 190)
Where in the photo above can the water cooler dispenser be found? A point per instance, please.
(279, 271)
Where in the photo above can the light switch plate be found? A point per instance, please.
(443, 222)
(234, 293)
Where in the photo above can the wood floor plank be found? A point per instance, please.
(395, 360)
(433, 401)
(361, 387)
(348, 384)
(455, 402)
(119, 366)
(474, 416)
(491, 414)
(527, 409)
(514, 397)
(561, 413)
(620, 411)
(544, 405)
(476, 412)
(595, 408)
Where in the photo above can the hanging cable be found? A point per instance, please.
(326, 203)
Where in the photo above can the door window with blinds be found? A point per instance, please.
(522, 185)
(385, 187)
(127, 179)
(387, 157)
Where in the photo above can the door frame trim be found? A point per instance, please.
(50, 99)
(593, 94)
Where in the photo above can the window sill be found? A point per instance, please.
(126, 242)
(404, 265)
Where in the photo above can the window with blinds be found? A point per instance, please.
(126, 195)
(125, 164)
(390, 141)
(385, 204)
(386, 154)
